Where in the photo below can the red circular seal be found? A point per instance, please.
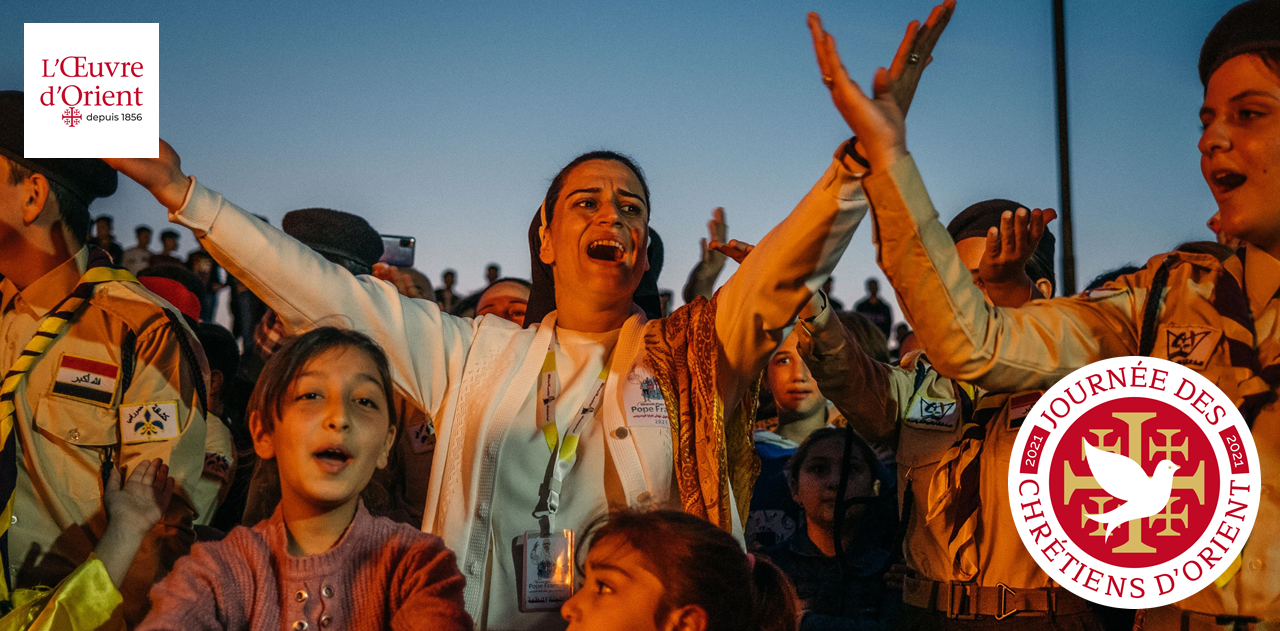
(1134, 482)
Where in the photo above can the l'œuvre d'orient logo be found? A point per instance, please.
(74, 87)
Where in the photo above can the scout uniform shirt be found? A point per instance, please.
(121, 357)
(923, 413)
(1198, 323)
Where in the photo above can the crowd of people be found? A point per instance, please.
(361, 450)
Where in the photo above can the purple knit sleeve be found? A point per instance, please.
(427, 592)
(210, 589)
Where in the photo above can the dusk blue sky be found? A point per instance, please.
(447, 120)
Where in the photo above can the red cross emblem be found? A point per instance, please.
(71, 117)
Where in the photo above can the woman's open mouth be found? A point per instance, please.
(607, 250)
(333, 459)
(1224, 181)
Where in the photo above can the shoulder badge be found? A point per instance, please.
(86, 380)
(148, 422)
(929, 413)
(1191, 346)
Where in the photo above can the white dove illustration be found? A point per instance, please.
(1125, 480)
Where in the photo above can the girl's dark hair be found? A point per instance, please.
(860, 448)
(553, 191)
(699, 564)
(283, 367)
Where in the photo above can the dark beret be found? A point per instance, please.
(977, 219)
(87, 178)
(343, 238)
(1248, 27)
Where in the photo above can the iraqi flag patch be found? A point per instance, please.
(86, 380)
(148, 422)
(1020, 406)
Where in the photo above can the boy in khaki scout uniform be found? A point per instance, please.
(953, 443)
(1218, 317)
(99, 372)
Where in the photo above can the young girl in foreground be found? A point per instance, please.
(321, 410)
(670, 571)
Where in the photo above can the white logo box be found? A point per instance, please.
(91, 90)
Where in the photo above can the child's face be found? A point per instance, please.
(618, 592)
(334, 430)
(788, 378)
(820, 481)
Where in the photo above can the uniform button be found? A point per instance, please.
(300, 625)
(13, 519)
(493, 449)
(482, 511)
(644, 498)
(74, 434)
(473, 568)
(327, 592)
(301, 596)
(621, 433)
(326, 620)
(1255, 564)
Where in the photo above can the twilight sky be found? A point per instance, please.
(447, 120)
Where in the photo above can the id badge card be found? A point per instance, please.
(549, 572)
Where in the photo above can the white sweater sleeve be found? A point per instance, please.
(306, 290)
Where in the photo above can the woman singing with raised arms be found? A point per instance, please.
(541, 429)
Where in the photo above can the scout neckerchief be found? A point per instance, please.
(955, 487)
(100, 270)
(563, 452)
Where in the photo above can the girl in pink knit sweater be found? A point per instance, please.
(322, 410)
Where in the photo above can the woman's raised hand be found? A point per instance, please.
(162, 176)
(915, 53)
(879, 121)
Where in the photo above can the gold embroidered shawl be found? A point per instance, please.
(710, 451)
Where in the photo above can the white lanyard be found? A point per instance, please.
(565, 456)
